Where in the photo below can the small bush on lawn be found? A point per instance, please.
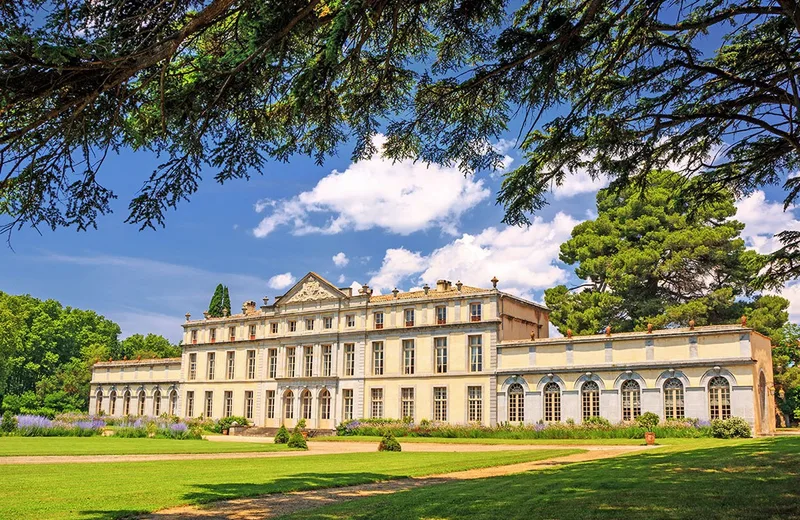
(9, 423)
(297, 441)
(598, 422)
(226, 422)
(389, 443)
(282, 437)
(648, 421)
(731, 428)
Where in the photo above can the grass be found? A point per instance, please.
(113, 490)
(711, 479)
(462, 440)
(21, 446)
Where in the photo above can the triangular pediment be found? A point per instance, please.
(311, 288)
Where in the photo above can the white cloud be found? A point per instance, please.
(792, 293)
(578, 183)
(762, 219)
(524, 259)
(341, 279)
(281, 281)
(340, 259)
(401, 197)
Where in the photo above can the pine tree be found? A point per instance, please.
(226, 300)
(215, 306)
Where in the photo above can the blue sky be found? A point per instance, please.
(374, 222)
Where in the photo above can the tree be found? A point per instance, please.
(651, 257)
(215, 305)
(786, 366)
(149, 346)
(226, 300)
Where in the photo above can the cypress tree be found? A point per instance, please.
(215, 306)
(226, 300)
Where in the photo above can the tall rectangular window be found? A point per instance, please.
(441, 315)
(309, 324)
(209, 405)
(248, 404)
(190, 404)
(327, 360)
(270, 404)
(292, 326)
(347, 404)
(252, 332)
(230, 363)
(377, 358)
(272, 363)
(308, 361)
(378, 320)
(274, 327)
(212, 361)
(193, 366)
(351, 320)
(212, 335)
(409, 315)
(377, 403)
(441, 355)
(440, 403)
(228, 404)
(290, 361)
(475, 311)
(349, 359)
(327, 322)
(251, 364)
(475, 354)
(474, 403)
(407, 403)
(194, 337)
(408, 356)
(232, 333)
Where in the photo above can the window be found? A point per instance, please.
(327, 360)
(516, 403)
(288, 405)
(351, 320)
(126, 403)
(349, 359)
(230, 363)
(232, 333)
(98, 407)
(377, 403)
(308, 361)
(378, 320)
(475, 354)
(673, 399)
(441, 355)
(228, 412)
(251, 364)
(408, 356)
(441, 315)
(193, 366)
(141, 403)
(156, 403)
(377, 358)
(474, 312)
(474, 403)
(305, 398)
(212, 335)
(292, 326)
(189, 404)
(209, 404)
(290, 361)
(324, 404)
(590, 400)
(631, 400)
(719, 394)
(309, 324)
(272, 363)
(248, 405)
(252, 332)
(211, 361)
(112, 402)
(173, 402)
(327, 322)
(270, 404)
(552, 402)
(439, 403)
(194, 337)
(273, 327)
(347, 402)
(409, 315)
(407, 404)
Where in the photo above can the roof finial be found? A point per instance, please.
(458, 285)
(569, 333)
(608, 330)
(188, 316)
(394, 292)
(744, 320)
(650, 328)
(426, 288)
(494, 281)
(691, 324)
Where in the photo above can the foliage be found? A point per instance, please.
(147, 347)
(9, 423)
(786, 366)
(731, 428)
(297, 441)
(38, 426)
(282, 436)
(640, 258)
(597, 421)
(648, 421)
(389, 443)
(215, 305)
(226, 300)
(226, 422)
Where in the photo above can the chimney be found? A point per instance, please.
(249, 307)
(442, 285)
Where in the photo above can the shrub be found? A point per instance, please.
(9, 423)
(296, 440)
(389, 443)
(600, 422)
(731, 428)
(282, 437)
(226, 422)
(648, 421)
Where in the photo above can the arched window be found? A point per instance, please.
(590, 400)
(156, 403)
(98, 408)
(126, 403)
(552, 402)
(305, 401)
(324, 404)
(631, 400)
(516, 403)
(173, 402)
(719, 397)
(673, 399)
(112, 402)
(141, 402)
(288, 405)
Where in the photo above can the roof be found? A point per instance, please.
(685, 331)
(148, 361)
(432, 293)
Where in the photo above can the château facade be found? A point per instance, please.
(450, 353)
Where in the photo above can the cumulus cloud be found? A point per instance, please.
(524, 259)
(281, 281)
(578, 183)
(340, 259)
(401, 197)
(341, 279)
(762, 219)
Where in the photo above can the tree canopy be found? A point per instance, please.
(220, 301)
(616, 87)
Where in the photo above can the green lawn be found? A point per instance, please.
(112, 490)
(711, 480)
(10, 446)
(446, 440)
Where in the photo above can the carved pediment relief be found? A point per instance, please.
(311, 290)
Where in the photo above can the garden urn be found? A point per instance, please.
(650, 438)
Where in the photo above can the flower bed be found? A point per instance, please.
(77, 425)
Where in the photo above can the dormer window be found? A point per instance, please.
(232, 333)
(212, 335)
(475, 312)
(378, 320)
(409, 315)
(252, 332)
(194, 337)
(441, 315)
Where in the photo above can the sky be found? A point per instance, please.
(387, 224)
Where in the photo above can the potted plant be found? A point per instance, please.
(648, 421)
(301, 425)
